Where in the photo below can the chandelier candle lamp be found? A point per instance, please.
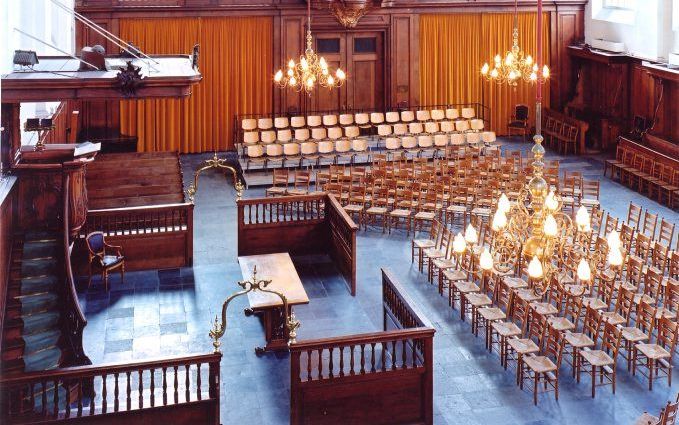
(515, 65)
(533, 235)
(311, 70)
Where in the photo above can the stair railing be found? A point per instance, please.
(73, 319)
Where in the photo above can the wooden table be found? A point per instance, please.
(284, 279)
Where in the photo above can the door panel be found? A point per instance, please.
(333, 48)
(365, 64)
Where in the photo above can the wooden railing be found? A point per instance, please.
(72, 317)
(300, 225)
(157, 236)
(178, 390)
(381, 377)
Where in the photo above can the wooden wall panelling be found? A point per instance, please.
(100, 114)
(330, 100)
(292, 46)
(404, 60)
(567, 26)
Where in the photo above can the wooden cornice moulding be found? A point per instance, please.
(272, 6)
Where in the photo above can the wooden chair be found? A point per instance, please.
(543, 371)
(301, 183)
(519, 121)
(634, 216)
(99, 255)
(279, 183)
(574, 342)
(668, 415)
(598, 363)
(418, 245)
(657, 358)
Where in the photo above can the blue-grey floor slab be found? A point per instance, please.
(168, 312)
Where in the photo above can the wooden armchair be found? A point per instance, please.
(519, 122)
(99, 253)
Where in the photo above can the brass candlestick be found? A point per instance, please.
(214, 162)
(250, 285)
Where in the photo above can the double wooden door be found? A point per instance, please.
(361, 56)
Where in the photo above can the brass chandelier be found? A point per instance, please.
(515, 65)
(311, 70)
(534, 231)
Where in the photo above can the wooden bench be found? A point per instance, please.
(281, 271)
(134, 179)
(562, 132)
(645, 170)
(137, 200)
(378, 378)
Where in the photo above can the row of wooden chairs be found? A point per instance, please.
(359, 118)
(643, 173)
(560, 135)
(537, 333)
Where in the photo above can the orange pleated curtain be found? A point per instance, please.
(235, 61)
(453, 47)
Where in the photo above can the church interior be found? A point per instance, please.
(339, 212)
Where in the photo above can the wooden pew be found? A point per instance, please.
(300, 225)
(645, 169)
(378, 378)
(563, 132)
(137, 200)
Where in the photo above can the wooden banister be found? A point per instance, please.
(300, 225)
(181, 390)
(330, 376)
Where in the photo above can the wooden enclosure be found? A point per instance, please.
(300, 225)
(177, 390)
(379, 378)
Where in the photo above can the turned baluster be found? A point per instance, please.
(129, 390)
(115, 392)
(80, 397)
(414, 347)
(320, 363)
(384, 356)
(308, 365)
(164, 386)
(103, 394)
(68, 399)
(56, 398)
(372, 357)
(393, 355)
(92, 396)
(141, 388)
(403, 354)
(188, 383)
(362, 359)
(199, 394)
(341, 366)
(331, 365)
(351, 360)
(176, 385)
(32, 397)
(44, 398)
(153, 387)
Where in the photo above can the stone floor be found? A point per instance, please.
(167, 312)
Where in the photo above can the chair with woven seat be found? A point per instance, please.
(301, 183)
(543, 370)
(279, 184)
(105, 256)
(417, 245)
(599, 364)
(656, 358)
(668, 415)
(519, 122)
